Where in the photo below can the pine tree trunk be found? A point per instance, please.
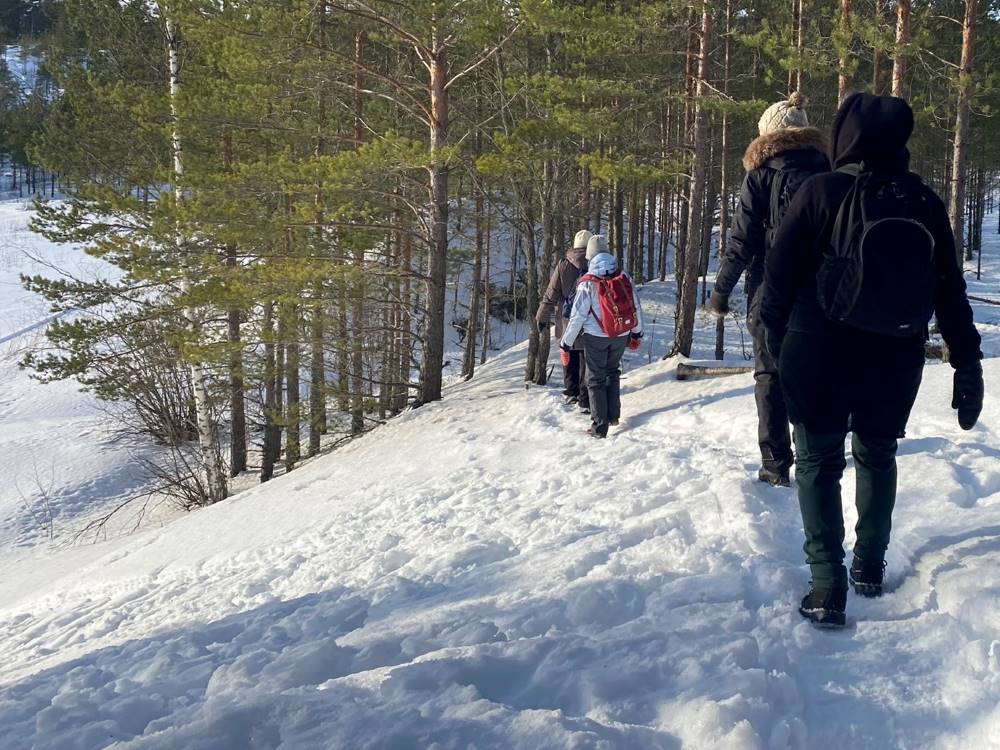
(878, 86)
(635, 234)
(684, 334)
(708, 215)
(317, 374)
(237, 399)
(318, 308)
(957, 202)
(802, 15)
(666, 228)
(433, 360)
(650, 202)
(684, 187)
(542, 355)
(618, 248)
(390, 321)
(472, 327)
(358, 289)
(406, 321)
(899, 60)
(272, 436)
(847, 29)
(291, 327)
(279, 382)
(724, 187)
(531, 272)
(343, 348)
(487, 288)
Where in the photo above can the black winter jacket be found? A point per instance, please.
(873, 130)
(835, 377)
(800, 149)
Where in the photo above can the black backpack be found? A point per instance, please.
(878, 273)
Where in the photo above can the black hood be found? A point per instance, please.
(874, 130)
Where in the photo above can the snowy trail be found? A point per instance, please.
(459, 577)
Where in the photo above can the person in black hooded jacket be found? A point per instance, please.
(778, 162)
(837, 378)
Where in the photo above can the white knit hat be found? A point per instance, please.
(784, 115)
(598, 243)
(581, 239)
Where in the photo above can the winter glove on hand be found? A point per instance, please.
(967, 396)
(543, 327)
(565, 347)
(634, 342)
(718, 304)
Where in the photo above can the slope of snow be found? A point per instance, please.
(479, 573)
(60, 465)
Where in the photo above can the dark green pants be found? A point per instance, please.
(819, 466)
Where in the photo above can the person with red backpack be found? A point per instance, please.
(863, 258)
(607, 318)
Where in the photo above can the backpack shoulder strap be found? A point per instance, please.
(778, 181)
(850, 212)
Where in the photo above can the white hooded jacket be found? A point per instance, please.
(586, 314)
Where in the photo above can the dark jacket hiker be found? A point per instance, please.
(556, 304)
(777, 164)
(838, 377)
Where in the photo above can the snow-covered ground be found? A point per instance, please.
(61, 467)
(478, 573)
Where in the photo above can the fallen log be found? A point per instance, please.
(984, 299)
(699, 370)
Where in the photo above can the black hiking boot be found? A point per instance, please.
(571, 400)
(825, 607)
(774, 477)
(585, 408)
(612, 423)
(866, 577)
(598, 431)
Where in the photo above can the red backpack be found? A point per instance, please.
(618, 315)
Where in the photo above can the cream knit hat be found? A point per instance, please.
(596, 245)
(581, 239)
(784, 115)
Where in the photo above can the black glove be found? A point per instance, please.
(565, 347)
(967, 395)
(543, 327)
(772, 342)
(718, 304)
(636, 336)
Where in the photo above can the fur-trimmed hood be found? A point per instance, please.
(774, 144)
